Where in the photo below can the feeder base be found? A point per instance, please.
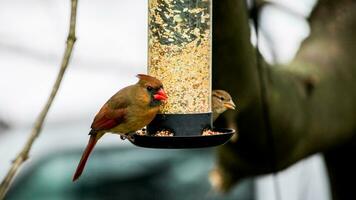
(181, 124)
(182, 142)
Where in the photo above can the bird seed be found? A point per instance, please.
(180, 53)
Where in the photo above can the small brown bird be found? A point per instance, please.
(221, 101)
(129, 110)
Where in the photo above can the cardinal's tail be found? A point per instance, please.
(94, 137)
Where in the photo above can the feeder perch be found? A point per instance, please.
(179, 54)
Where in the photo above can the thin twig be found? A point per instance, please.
(36, 130)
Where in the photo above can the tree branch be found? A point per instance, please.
(36, 130)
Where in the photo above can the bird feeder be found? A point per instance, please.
(179, 54)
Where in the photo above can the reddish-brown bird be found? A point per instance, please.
(129, 110)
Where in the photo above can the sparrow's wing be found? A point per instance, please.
(110, 115)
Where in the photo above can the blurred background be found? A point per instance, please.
(110, 51)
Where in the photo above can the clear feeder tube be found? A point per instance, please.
(180, 53)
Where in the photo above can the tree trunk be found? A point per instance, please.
(341, 166)
(311, 101)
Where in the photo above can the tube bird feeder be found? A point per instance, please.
(179, 54)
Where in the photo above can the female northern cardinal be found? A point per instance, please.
(221, 101)
(129, 110)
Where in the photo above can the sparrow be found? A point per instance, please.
(221, 101)
(127, 111)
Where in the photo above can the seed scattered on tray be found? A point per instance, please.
(210, 132)
(141, 132)
(165, 133)
(162, 133)
(180, 53)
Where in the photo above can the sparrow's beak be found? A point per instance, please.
(230, 105)
(160, 95)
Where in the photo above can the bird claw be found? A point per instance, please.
(129, 137)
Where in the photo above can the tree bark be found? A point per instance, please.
(312, 101)
(341, 166)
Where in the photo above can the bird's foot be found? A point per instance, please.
(123, 137)
(128, 136)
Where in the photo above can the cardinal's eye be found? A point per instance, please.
(149, 88)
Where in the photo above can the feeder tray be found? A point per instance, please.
(182, 142)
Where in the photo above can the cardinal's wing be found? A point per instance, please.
(111, 114)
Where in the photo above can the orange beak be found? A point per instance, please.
(160, 95)
(230, 105)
